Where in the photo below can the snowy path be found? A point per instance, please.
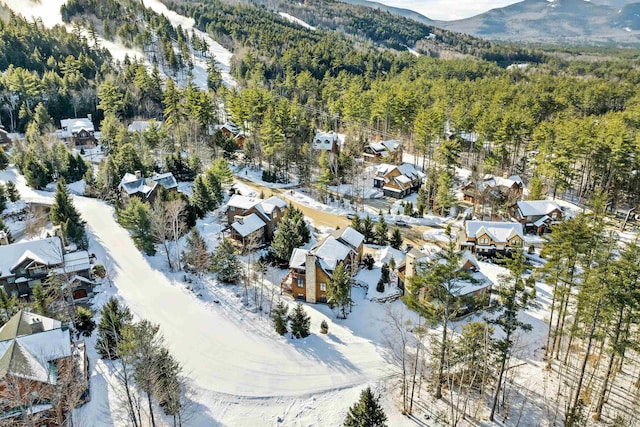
(218, 353)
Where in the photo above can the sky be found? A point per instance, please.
(448, 10)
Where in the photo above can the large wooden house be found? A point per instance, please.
(26, 264)
(536, 216)
(135, 185)
(489, 238)
(493, 189)
(383, 151)
(398, 180)
(254, 221)
(79, 133)
(328, 141)
(310, 270)
(43, 375)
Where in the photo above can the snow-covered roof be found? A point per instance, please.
(325, 140)
(406, 169)
(465, 287)
(537, 207)
(26, 351)
(75, 261)
(248, 224)
(384, 255)
(500, 232)
(243, 202)
(167, 180)
(133, 184)
(142, 125)
(45, 251)
(76, 125)
(331, 252)
(298, 258)
(270, 204)
(349, 236)
(391, 145)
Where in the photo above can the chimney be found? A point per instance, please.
(4, 238)
(36, 326)
(89, 117)
(138, 174)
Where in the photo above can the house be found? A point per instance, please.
(474, 286)
(398, 180)
(23, 265)
(536, 215)
(493, 189)
(328, 141)
(42, 374)
(489, 238)
(231, 131)
(79, 132)
(383, 151)
(143, 125)
(135, 185)
(254, 220)
(310, 270)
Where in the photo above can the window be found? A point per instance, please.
(300, 296)
(33, 283)
(323, 287)
(300, 283)
(484, 241)
(11, 279)
(232, 209)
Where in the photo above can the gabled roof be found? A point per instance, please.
(47, 251)
(269, 205)
(331, 252)
(243, 202)
(326, 140)
(349, 236)
(131, 184)
(27, 354)
(390, 145)
(500, 232)
(249, 224)
(76, 125)
(298, 258)
(537, 207)
(167, 180)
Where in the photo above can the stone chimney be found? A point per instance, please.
(4, 238)
(310, 277)
(36, 326)
(138, 174)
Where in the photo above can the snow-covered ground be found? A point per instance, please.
(296, 21)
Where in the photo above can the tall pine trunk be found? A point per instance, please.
(153, 420)
(607, 377)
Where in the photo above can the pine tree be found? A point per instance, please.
(41, 300)
(166, 382)
(201, 197)
(84, 321)
(197, 255)
(356, 223)
(536, 189)
(225, 263)
(114, 318)
(381, 231)
(4, 160)
(63, 209)
(367, 412)
(396, 238)
(367, 228)
(300, 322)
(292, 232)
(444, 196)
(279, 317)
(8, 306)
(12, 191)
(221, 169)
(339, 289)
(35, 173)
(136, 217)
(214, 186)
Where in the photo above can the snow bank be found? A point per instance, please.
(296, 21)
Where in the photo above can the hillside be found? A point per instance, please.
(572, 21)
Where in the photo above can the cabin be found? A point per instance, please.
(145, 189)
(328, 141)
(231, 131)
(26, 264)
(493, 189)
(253, 220)
(78, 133)
(310, 269)
(42, 373)
(536, 216)
(383, 151)
(491, 238)
(398, 181)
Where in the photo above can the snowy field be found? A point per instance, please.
(296, 21)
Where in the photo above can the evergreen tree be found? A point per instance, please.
(300, 322)
(3, 199)
(396, 238)
(381, 231)
(167, 383)
(4, 160)
(367, 412)
(214, 186)
(444, 196)
(35, 173)
(84, 321)
(197, 255)
(8, 306)
(292, 233)
(339, 290)
(114, 318)
(12, 191)
(356, 223)
(136, 217)
(367, 228)
(64, 213)
(536, 189)
(280, 318)
(221, 169)
(225, 263)
(422, 201)
(201, 197)
(41, 300)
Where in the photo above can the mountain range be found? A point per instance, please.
(545, 21)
